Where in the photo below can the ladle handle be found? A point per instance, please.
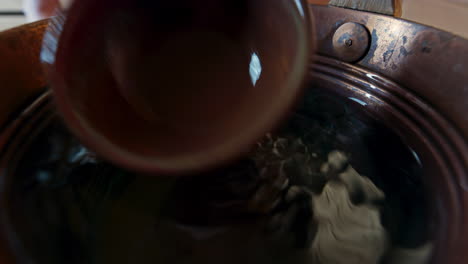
(387, 7)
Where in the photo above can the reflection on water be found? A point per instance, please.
(416, 157)
(330, 186)
(358, 101)
(255, 68)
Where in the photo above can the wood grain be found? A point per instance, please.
(397, 11)
(319, 2)
(375, 6)
(22, 74)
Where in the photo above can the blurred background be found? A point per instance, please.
(11, 14)
(450, 15)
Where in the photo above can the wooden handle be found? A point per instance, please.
(387, 7)
(397, 8)
(319, 2)
(21, 74)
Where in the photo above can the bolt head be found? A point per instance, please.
(351, 42)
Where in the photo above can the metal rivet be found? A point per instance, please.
(351, 42)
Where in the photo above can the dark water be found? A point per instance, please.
(68, 206)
